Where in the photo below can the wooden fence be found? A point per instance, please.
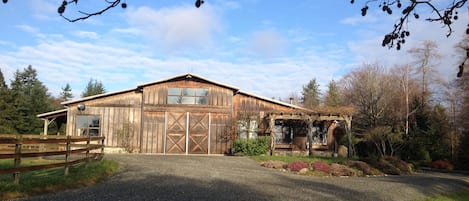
(18, 147)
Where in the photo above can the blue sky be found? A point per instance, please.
(270, 48)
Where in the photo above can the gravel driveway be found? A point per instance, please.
(154, 177)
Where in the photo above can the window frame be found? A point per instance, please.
(90, 125)
(187, 96)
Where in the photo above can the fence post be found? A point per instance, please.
(67, 155)
(88, 149)
(102, 150)
(17, 163)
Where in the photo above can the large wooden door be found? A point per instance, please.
(176, 133)
(198, 133)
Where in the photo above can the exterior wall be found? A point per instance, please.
(248, 108)
(160, 118)
(115, 112)
(174, 128)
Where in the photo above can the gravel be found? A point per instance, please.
(157, 177)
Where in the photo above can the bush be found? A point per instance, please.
(321, 166)
(296, 166)
(362, 166)
(252, 147)
(341, 170)
(403, 166)
(274, 164)
(441, 164)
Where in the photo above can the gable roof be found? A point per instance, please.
(97, 96)
(187, 76)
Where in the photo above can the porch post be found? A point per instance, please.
(348, 129)
(46, 126)
(272, 133)
(310, 137)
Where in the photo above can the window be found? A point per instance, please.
(88, 125)
(188, 96)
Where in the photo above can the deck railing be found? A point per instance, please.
(18, 147)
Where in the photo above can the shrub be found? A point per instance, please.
(362, 166)
(274, 164)
(252, 147)
(403, 166)
(441, 164)
(321, 166)
(341, 170)
(384, 166)
(296, 166)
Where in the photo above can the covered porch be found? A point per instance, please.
(58, 116)
(307, 133)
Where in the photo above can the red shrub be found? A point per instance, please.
(441, 164)
(321, 166)
(296, 166)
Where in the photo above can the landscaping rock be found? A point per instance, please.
(274, 164)
(303, 171)
(342, 151)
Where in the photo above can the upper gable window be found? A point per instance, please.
(188, 96)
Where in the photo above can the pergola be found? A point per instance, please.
(309, 118)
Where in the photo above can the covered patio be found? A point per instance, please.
(309, 132)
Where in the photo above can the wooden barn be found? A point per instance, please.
(185, 114)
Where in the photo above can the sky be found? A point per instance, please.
(269, 48)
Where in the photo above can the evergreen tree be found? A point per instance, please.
(93, 87)
(333, 96)
(30, 97)
(7, 110)
(66, 93)
(311, 94)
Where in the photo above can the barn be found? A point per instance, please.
(187, 114)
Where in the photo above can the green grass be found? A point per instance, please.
(306, 159)
(459, 196)
(50, 180)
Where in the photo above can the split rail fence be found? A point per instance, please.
(18, 147)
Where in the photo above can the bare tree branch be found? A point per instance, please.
(86, 15)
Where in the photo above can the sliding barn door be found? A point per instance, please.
(198, 133)
(176, 133)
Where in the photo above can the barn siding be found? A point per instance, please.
(225, 106)
(114, 111)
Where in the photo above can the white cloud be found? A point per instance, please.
(177, 29)
(267, 43)
(27, 28)
(86, 34)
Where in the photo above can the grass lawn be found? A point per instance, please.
(459, 196)
(50, 180)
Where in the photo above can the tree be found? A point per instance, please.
(6, 108)
(445, 14)
(93, 87)
(425, 61)
(368, 89)
(66, 93)
(311, 94)
(30, 97)
(332, 97)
